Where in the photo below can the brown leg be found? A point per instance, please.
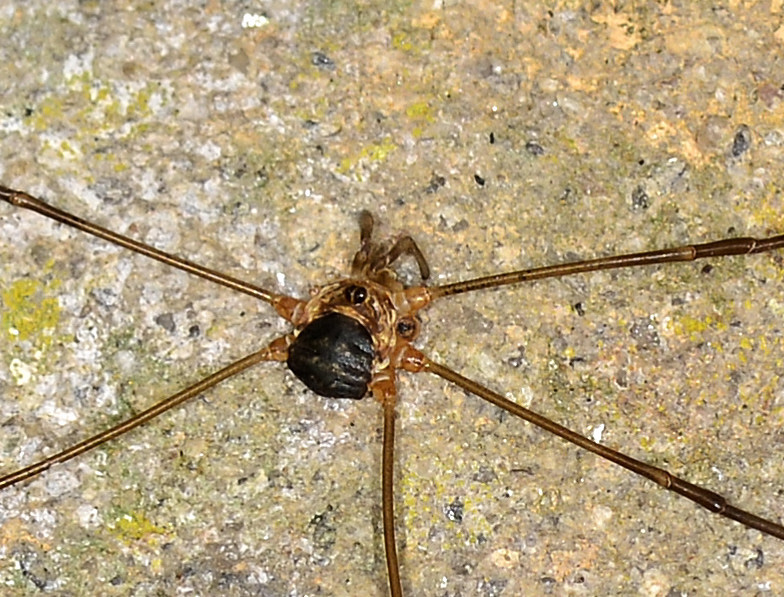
(384, 390)
(704, 497)
(719, 248)
(275, 351)
(366, 246)
(21, 199)
(387, 483)
(404, 246)
(373, 257)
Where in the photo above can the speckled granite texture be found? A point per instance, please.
(247, 136)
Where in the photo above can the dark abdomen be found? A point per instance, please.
(333, 356)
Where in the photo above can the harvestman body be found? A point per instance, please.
(352, 336)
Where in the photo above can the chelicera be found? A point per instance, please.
(351, 337)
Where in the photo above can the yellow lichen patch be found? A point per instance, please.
(693, 328)
(422, 515)
(377, 152)
(421, 113)
(156, 566)
(401, 41)
(107, 107)
(67, 150)
(133, 526)
(29, 311)
(48, 110)
(766, 212)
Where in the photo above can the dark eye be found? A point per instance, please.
(406, 328)
(355, 295)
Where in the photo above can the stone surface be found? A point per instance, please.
(247, 137)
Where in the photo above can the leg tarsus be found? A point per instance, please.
(365, 226)
(366, 247)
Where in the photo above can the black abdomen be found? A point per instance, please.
(333, 356)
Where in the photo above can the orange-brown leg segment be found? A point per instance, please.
(21, 199)
(707, 499)
(719, 248)
(384, 390)
(387, 499)
(275, 351)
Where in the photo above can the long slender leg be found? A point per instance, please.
(276, 351)
(720, 248)
(384, 390)
(387, 499)
(21, 199)
(704, 497)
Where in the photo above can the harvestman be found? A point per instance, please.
(352, 336)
